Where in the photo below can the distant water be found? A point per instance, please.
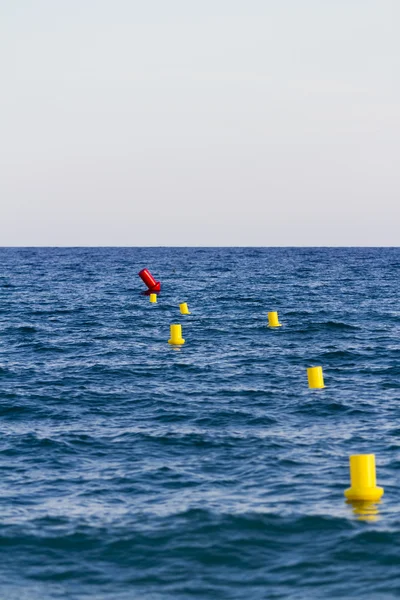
(134, 470)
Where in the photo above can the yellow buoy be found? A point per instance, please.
(363, 478)
(315, 377)
(273, 320)
(176, 335)
(184, 308)
(153, 298)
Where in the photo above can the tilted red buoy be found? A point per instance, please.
(148, 279)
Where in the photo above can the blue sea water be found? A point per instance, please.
(131, 469)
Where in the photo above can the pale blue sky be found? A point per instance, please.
(220, 122)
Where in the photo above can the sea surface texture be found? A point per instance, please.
(132, 469)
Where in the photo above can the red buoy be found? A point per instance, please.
(148, 279)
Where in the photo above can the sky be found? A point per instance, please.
(199, 123)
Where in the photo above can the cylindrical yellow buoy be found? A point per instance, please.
(273, 320)
(184, 308)
(363, 478)
(315, 377)
(176, 335)
(153, 298)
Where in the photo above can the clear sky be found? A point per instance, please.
(210, 122)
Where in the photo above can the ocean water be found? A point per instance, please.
(131, 469)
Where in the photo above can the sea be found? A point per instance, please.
(131, 468)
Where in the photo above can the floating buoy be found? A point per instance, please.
(176, 335)
(315, 377)
(273, 320)
(184, 308)
(363, 479)
(154, 286)
(153, 298)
